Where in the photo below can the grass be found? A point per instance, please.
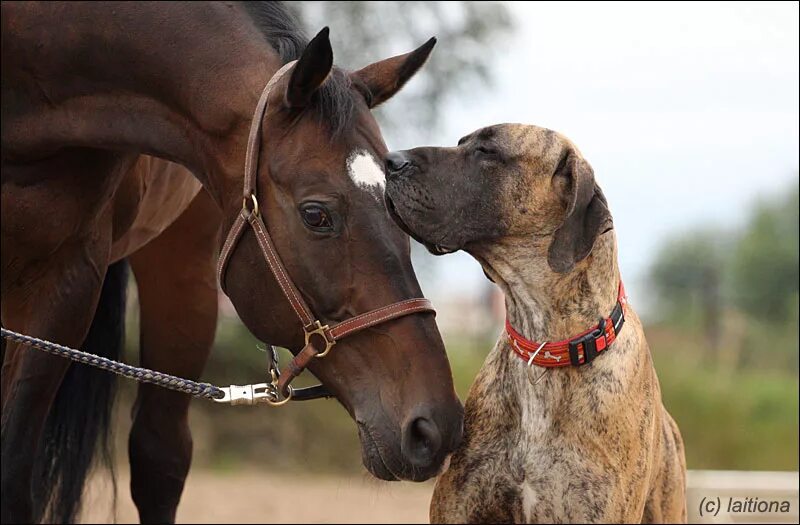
(738, 419)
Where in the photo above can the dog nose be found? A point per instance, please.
(421, 442)
(396, 162)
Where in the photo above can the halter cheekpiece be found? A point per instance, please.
(319, 338)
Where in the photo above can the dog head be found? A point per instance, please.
(501, 181)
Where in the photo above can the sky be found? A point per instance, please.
(687, 112)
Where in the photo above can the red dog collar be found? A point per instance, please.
(576, 351)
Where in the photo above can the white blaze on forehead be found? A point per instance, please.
(365, 170)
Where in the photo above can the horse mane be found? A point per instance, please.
(333, 101)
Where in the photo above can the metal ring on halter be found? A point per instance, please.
(253, 199)
(284, 400)
(322, 331)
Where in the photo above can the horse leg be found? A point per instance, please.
(175, 275)
(58, 306)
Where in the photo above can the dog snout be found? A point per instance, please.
(396, 162)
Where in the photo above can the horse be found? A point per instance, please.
(124, 130)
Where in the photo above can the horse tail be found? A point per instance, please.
(79, 423)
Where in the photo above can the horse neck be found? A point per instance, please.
(174, 81)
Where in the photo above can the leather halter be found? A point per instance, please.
(324, 335)
(576, 351)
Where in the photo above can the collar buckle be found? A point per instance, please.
(589, 342)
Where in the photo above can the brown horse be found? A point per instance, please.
(89, 87)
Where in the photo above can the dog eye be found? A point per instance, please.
(316, 217)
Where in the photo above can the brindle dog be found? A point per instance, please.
(584, 444)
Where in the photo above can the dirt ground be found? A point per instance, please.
(258, 497)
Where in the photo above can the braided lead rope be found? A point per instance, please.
(142, 375)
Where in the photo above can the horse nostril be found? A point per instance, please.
(421, 442)
(396, 162)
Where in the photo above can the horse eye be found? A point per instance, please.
(316, 217)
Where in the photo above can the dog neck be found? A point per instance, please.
(524, 413)
(544, 305)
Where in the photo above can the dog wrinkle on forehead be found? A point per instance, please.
(365, 171)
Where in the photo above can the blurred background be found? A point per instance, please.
(688, 114)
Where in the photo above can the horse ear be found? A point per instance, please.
(385, 78)
(311, 70)
(586, 218)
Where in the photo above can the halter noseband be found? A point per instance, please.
(313, 328)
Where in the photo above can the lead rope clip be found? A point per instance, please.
(258, 393)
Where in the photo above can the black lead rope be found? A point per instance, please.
(235, 395)
(142, 375)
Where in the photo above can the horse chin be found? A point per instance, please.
(372, 457)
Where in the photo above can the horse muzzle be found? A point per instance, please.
(417, 450)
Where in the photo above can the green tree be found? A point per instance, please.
(765, 263)
(740, 289)
(688, 277)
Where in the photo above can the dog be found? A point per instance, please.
(560, 432)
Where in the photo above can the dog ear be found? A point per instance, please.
(586, 218)
(311, 70)
(385, 78)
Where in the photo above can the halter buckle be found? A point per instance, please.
(317, 328)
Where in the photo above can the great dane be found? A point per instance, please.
(564, 422)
